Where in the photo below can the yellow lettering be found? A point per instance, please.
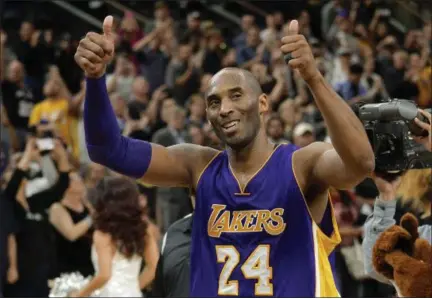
(222, 224)
(263, 216)
(220, 221)
(211, 228)
(236, 223)
(276, 216)
(248, 227)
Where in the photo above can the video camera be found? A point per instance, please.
(390, 127)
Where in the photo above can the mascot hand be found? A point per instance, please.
(405, 259)
(387, 242)
(412, 277)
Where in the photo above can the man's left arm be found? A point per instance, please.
(351, 158)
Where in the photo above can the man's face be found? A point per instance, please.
(247, 22)
(399, 60)
(122, 66)
(185, 52)
(194, 23)
(233, 110)
(177, 119)
(167, 106)
(354, 78)
(26, 31)
(140, 86)
(253, 37)
(16, 71)
(275, 129)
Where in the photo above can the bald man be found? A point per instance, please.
(263, 225)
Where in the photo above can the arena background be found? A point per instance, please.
(368, 50)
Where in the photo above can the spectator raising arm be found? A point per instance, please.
(62, 221)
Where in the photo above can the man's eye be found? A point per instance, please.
(213, 103)
(237, 95)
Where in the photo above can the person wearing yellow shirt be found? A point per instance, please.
(55, 111)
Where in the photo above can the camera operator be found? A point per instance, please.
(34, 237)
(385, 208)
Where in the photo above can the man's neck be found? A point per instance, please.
(249, 157)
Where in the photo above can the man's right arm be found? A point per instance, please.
(172, 166)
(157, 165)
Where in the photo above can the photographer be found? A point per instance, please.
(385, 208)
(34, 237)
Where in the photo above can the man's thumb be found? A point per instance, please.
(293, 28)
(107, 26)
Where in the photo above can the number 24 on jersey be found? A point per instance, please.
(257, 266)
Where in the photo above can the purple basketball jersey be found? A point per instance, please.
(260, 241)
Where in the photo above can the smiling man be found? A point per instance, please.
(263, 225)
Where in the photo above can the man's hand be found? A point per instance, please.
(95, 51)
(31, 151)
(12, 275)
(387, 190)
(302, 58)
(426, 141)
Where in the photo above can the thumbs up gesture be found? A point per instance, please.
(95, 50)
(300, 53)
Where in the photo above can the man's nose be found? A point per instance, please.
(226, 107)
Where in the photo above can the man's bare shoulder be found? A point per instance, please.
(306, 158)
(194, 151)
(310, 153)
(196, 156)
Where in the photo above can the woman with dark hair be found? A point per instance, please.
(120, 241)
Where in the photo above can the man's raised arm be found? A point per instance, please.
(351, 158)
(173, 166)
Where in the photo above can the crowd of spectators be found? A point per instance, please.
(157, 86)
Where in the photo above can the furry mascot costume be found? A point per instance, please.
(405, 259)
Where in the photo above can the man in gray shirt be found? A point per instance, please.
(385, 208)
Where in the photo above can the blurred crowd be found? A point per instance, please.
(157, 84)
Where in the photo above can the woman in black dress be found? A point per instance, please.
(72, 222)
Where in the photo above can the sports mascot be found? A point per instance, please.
(405, 259)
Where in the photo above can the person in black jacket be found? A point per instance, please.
(173, 268)
(34, 236)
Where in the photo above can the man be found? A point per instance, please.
(352, 90)
(173, 269)
(181, 74)
(18, 100)
(275, 129)
(272, 245)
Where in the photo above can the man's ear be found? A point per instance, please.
(264, 105)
